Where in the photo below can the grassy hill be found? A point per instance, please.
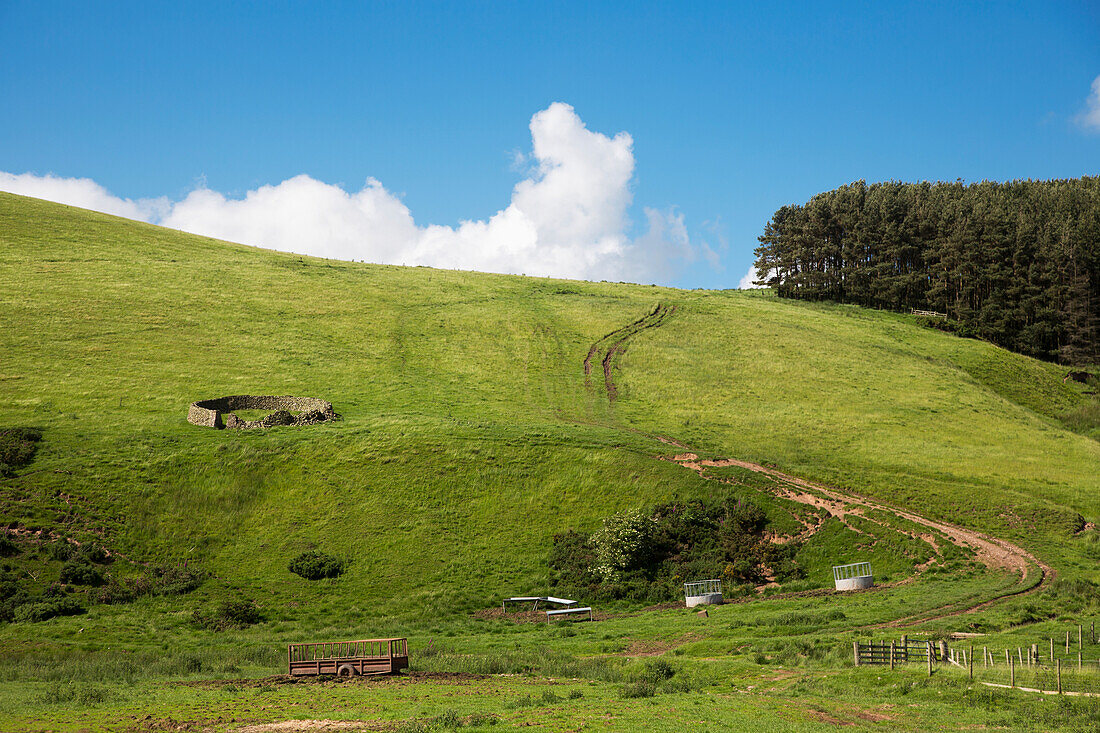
(470, 434)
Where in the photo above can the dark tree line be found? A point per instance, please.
(1015, 263)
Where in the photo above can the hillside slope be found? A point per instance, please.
(469, 435)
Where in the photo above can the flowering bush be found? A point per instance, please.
(625, 542)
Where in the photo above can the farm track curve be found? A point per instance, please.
(993, 552)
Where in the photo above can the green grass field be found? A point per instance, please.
(469, 436)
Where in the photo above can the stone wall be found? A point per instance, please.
(208, 413)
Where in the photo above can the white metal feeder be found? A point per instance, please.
(856, 576)
(703, 593)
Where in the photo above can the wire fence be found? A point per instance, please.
(1067, 665)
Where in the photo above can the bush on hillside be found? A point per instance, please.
(12, 596)
(17, 448)
(161, 581)
(314, 565)
(625, 542)
(93, 553)
(228, 615)
(81, 572)
(113, 591)
(43, 610)
(61, 550)
(646, 556)
(8, 546)
(571, 560)
(175, 580)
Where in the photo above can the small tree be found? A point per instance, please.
(624, 542)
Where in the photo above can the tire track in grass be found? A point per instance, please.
(614, 344)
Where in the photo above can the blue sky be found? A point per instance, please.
(732, 110)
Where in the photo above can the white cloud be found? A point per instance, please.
(567, 218)
(306, 216)
(747, 281)
(82, 192)
(1090, 117)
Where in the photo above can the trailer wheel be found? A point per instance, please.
(345, 670)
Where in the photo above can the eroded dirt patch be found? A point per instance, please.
(992, 552)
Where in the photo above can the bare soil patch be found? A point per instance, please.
(405, 677)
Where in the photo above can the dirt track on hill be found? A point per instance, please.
(614, 344)
(994, 553)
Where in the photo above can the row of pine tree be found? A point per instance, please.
(1015, 263)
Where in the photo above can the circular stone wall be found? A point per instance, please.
(208, 413)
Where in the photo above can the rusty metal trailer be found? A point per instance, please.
(348, 658)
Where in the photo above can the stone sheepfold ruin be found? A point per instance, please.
(210, 413)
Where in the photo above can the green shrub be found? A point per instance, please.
(314, 565)
(17, 448)
(93, 553)
(448, 719)
(624, 542)
(112, 592)
(61, 550)
(12, 596)
(8, 546)
(170, 580)
(228, 615)
(48, 609)
(161, 581)
(84, 695)
(647, 557)
(79, 571)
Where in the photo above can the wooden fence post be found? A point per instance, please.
(1011, 668)
(1020, 655)
(891, 654)
(855, 651)
(1059, 668)
(970, 660)
(929, 658)
(985, 656)
(1067, 641)
(1079, 637)
(1052, 650)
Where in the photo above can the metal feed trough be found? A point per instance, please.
(703, 593)
(536, 600)
(856, 576)
(570, 614)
